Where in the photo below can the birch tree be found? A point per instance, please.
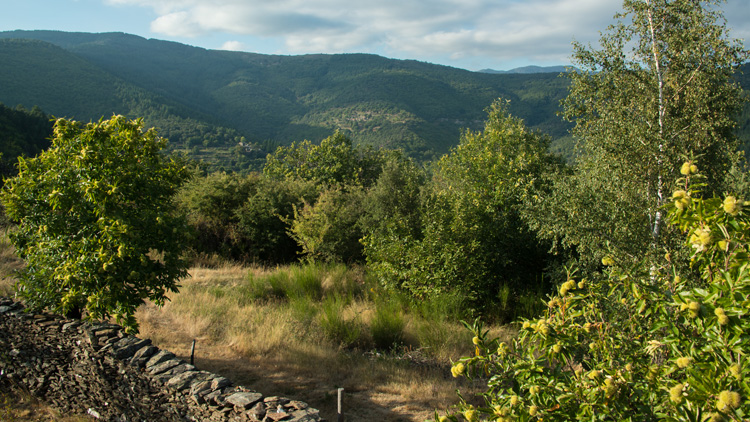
(656, 93)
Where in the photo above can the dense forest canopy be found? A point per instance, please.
(23, 133)
(230, 109)
(208, 102)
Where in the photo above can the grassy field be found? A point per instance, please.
(305, 331)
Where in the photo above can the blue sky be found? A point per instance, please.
(469, 34)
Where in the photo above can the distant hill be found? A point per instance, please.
(22, 133)
(208, 101)
(530, 69)
(231, 108)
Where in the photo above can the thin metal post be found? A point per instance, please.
(192, 353)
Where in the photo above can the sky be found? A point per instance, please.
(468, 34)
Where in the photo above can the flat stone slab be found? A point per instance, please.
(182, 381)
(244, 400)
(164, 366)
(142, 356)
(219, 383)
(160, 357)
(126, 347)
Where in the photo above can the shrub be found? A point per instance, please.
(329, 229)
(641, 342)
(97, 223)
(469, 238)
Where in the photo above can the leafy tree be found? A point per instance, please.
(629, 345)
(97, 226)
(263, 218)
(244, 217)
(659, 91)
(330, 230)
(472, 240)
(393, 202)
(210, 203)
(334, 162)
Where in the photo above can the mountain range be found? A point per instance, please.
(230, 108)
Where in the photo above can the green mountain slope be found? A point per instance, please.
(232, 107)
(63, 84)
(36, 73)
(417, 106)
(22, 133)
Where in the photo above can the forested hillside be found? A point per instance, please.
(230, 109)
(23, 133)
(206, 101)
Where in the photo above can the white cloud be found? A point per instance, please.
(538, 30)
(177, 24)
(233, 46)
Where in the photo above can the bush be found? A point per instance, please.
(97, 223)
(470, 238)
(329, 230)
(638, 343)
(210, 203)
(243, 217)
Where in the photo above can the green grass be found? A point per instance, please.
(387, 325)
(340, 328)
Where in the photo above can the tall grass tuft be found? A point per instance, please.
(435, 326)
(387, 325)
(345, 281)
(287, 283)
(279, 282)
(345, 332)
(304, 311)
(306, 281)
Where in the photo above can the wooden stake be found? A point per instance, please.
(192, 353)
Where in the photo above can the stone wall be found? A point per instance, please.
(96, 369)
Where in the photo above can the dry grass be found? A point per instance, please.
(277, 347)
(9, 263)
(22, 407)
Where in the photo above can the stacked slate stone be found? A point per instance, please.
(98, 370)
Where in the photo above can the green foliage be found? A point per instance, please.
(657, 92)
(334, 162)
(638, 343)
(244, 217)
(330, 230)
(97, 225)
(210, 204)
(262, 219)
(24, 133)
(392, 204)
(471, 240)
